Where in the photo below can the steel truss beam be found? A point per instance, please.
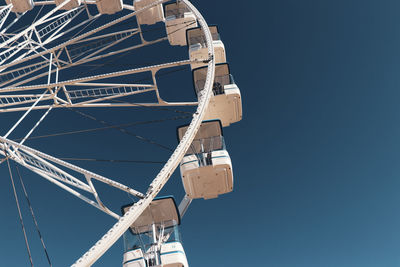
(46, 166)
(28, 47)
(81, 49)
(98, 249)
(88, 97)
(70, 42)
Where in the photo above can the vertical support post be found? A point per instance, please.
(184, 205)
(140, 32)
(155, 242)
(51, 62)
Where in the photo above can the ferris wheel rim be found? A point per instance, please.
(108, 239)
(101, 246)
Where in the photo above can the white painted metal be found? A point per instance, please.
(71, 5)
(184, 205)
(45, 165)
(26, 34)
(32, 44)
(23, 116)
(155, 187)
(30, 109)
(74, 56)
(46, 113)
(62, 47)
(198, 48)
(58, 25)
(4, 13)
(178, 19)
(105, 105)
(152, 15)
(35, 126)
(73, 98)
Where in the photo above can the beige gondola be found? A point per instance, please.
(178, 19)
(21, 6)
(154, 239)
(151, 15)
(198, 47)
(206, 169)
(226, 103)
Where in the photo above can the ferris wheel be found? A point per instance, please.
(45, 50)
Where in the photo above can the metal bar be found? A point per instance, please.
(12, 23)
(29, 110)
(113, 96)
(129, 7)
(49, 77)
(96, 195)
(23, 95)
(98, 77)
(94, 58)
(22, 102)
(63, 186)
(107, 35)
(23, 116)
(39, 21)
(4, 18)
(41, 164)
(105, 47)
(184, 205)
(99, 105)
(73, 167)
(35, 126)
(114, 84)
(59, 28)
(20, 214)
(98, 249)
(73, 40)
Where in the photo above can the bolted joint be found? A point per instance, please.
(210, 57)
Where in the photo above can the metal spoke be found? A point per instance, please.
(24, 57)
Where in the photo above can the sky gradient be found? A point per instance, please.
(315, 158)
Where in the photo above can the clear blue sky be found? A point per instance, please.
(315, 158)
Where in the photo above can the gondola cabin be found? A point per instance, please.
(20, 6)
(109, 6)
(178, 18)
(154, 239)
(198, 46)
(226, 103)
(151, 15)
(206, 169)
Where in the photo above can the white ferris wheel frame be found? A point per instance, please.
(45, 165)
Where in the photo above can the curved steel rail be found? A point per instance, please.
(98, 249)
